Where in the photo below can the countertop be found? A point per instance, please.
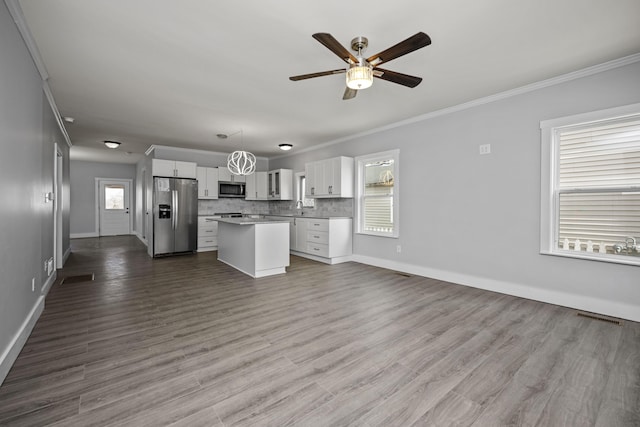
(311, 216)
(288, 215)
(251, 221)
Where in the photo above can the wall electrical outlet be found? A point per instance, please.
(485, 149)
(398, 248)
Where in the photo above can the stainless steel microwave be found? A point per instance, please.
(231, 189)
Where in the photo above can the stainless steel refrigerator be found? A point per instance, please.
(175, 215)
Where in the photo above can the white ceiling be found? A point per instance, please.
(178, 72)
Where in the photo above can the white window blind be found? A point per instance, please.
(377, 203)
(598, 184)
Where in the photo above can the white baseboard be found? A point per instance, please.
(579, 302)
(10, 354)
(334, 260)
(65, 256)
(47, 285)
(142, 239)
(84, 235)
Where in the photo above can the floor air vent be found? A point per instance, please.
(78, 279)
(601, 318)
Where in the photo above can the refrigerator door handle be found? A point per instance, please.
(174, 220)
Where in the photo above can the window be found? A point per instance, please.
(377, 194)
(301, 183)
(591, 186)
(114, 197)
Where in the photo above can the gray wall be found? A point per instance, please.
(28, 132)
(83, 192)
(475, 219)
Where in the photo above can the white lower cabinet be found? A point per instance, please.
(328, 240)
(207, 233)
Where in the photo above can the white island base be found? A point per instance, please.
(258, 248)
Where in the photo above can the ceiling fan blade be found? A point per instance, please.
(415, 42)
(349, 93)
(334, 46)
(320, 74)
(395, 77)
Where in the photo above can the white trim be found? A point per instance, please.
(334, 260)
(585, 72)
(97, 202)
(142, 239)
(47, 285)
(190, 150)
(66, 255)
(11, 352)
(18, 17)
(549, 157)
(359, 171)
(609, 308)
(591, 116)
(56, 112)
(83, 235)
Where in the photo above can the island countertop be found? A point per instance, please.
(250, 221)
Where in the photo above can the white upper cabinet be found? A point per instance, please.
(280, 184)
(207, 183)
(225, 175)
(330, 178)
(257, 186)
(172, 168)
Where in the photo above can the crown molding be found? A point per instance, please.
(56, 113)
(18, 17)
(190, 150)
(585, 72)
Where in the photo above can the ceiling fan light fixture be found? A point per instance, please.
(285, 147)
(359, 77)
(112, 144)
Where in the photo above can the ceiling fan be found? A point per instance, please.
(360, 71)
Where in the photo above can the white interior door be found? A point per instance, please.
(114, 206)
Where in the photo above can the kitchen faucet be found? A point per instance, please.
(630, 246)
(299, 204)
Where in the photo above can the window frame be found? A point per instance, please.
(307, 202)
(360, 162)
(549, 191)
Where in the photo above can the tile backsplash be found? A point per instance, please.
(323, 207)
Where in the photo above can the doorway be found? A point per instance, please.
(58, 256)
(114, 206)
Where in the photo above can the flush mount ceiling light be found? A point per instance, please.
(285, 147)
(112, 144)
(69, 119)
(241, 162)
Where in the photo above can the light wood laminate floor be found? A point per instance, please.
(188, 341)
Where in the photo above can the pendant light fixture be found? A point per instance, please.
(241, 162)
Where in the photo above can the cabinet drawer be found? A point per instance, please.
(207, 231)
(206, 221)
(318, 224)
(207, 242)
(318, 237)
(318, 249)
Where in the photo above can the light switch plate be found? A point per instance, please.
(485, 149)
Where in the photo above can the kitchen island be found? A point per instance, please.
(258, 247)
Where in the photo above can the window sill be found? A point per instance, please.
(373, 233)
(594, 256)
